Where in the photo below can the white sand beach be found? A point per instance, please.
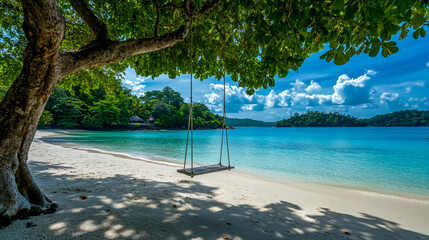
(132, 199)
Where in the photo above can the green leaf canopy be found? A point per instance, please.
(255, 40)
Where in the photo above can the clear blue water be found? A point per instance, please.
(387, 160)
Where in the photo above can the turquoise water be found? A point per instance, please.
(386, 160)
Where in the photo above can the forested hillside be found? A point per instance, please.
(321, 119)
(103, 108)
(401, 118)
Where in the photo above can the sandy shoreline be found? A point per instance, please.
(129, 199)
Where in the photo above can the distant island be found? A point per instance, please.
(247, 122)
(400, 118)
(321, 119)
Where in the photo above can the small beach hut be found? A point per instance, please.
(136, 119)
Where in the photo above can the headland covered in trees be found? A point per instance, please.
(103, 108)
(403, 118)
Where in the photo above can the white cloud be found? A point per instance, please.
(218, 86)
(389, 96)
(248, 107)
(236, 97)
(408, 89)
(313, 88)
(392, 101)
(370, 72)
(414, 99)
(270, 99)
(347, 91)
(212, 98)
(427, 64)
(419, 84)
(298, 85)
(137, 86)
(128, 82)
(283, 98)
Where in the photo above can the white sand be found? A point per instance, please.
(130, 199)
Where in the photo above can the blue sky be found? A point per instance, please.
(363, 87)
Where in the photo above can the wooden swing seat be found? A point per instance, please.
(204, 169)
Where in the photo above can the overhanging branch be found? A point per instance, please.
(102, 53)
(116, 51)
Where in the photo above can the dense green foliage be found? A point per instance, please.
(401, 118)
(102, 108)
(236, 122)
(254, 40)
(46, 119)
(321, 119)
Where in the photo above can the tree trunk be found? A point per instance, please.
(22, 107)
(44, 65)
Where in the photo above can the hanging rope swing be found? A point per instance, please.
(193, 171)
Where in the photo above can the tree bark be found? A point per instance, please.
(22, 107)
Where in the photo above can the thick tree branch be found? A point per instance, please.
(97, 27)
(102, 53)
(44, 25)
(116, 51)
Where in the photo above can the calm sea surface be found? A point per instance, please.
(392, 161)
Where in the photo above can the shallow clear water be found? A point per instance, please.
(388, 160)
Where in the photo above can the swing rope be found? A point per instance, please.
(191, 121)
(224, 127)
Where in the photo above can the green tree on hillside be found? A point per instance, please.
(167, 95)
(171, 97)
(160, 108)
(67, 111)
(102, 113)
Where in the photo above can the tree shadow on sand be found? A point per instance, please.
(131, 208)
